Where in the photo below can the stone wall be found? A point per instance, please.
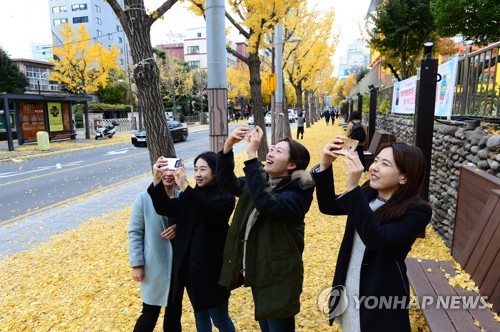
(452, 147)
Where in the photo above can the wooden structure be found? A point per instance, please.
(447, 308)
(33, 113)
(476, 235)
(379, 137)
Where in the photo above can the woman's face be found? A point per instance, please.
(203, 173)
(385, 175)
(168, 178)
(277, 163)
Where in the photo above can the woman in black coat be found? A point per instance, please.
(202, 214)
(370, 289)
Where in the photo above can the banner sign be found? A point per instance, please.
(55, 117)
(403, 97)
(445, 89)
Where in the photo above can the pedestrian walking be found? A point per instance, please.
(266, 239)
(202, 215)
(327, 117)
(151, 253)
(357, 130)
(301, 119)
(384, 218)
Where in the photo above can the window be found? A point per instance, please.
(121, 50)
(194, 64)
(193, 49)
(99, 33)
(110, 36)
(118, 28)
(60, 21)
(81, 6)
(120, 40)
(97, 8)
(121, 62)
(59, 9)
(81, 19)
(98, 20)
(199, 34)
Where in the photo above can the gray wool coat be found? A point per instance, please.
(147, 248)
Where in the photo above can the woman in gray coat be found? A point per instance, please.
(151, 253)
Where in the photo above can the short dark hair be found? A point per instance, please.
(356, 115)
(299, 155)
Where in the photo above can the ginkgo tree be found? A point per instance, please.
(313, 53)
(82, 66)
(254, 19)
(136, 22)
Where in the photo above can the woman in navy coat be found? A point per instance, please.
(385, 216)
(202, 215)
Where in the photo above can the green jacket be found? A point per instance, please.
(274, 267)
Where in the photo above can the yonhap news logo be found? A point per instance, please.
(333, 302)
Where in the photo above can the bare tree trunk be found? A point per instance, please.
(137, 25)
(255, 83)
(298, 93)
(86, 116)
(308, 109)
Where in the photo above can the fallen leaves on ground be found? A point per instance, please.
(80, 280)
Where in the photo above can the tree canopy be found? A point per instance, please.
(400, 29)
(476, 20)
(12, 80)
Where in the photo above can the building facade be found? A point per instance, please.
(356, 58)
(193, 49)
(38, 74)
(100, 21)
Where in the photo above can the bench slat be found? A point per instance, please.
(484, 316)
(437, 319)
(460, 318)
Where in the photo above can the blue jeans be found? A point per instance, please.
(219, 316)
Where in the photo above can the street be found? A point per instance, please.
(46, 182)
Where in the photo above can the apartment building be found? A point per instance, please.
(193, 49)
(100, 21)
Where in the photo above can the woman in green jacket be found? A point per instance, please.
(265, 242)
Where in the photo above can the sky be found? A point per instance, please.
(25, 21)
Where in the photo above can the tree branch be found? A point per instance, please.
(238, 55)
(394, 72)
(237, 26)
(162, 10)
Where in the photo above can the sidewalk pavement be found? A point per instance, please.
(26, 232)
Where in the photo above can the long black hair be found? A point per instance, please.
(410, 161)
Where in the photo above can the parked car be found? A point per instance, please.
(268, 119)
(179, 132)
(292, 116)
(250, 120)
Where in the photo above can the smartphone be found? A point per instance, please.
(348, 146)
(173, 164)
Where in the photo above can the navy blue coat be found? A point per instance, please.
(202, 216)
(383, 270)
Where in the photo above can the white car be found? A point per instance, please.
(250, 120)
(268, 119)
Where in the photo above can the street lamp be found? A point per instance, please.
(39, 77)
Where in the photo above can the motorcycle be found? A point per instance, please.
(103, 130)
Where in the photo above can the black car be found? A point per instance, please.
(179, 132)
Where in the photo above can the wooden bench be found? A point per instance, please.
(379, 137)
(447, 308)
(476, 233)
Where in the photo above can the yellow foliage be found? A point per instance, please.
(238, 83)
(83, 64)
(80, 280)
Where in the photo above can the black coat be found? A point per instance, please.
(202, 216)
(383, 271)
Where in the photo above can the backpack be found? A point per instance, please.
(358, 132)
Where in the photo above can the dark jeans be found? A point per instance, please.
(300, 130)
(147, 320)
(219, 316)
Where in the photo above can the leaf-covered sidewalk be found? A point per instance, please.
(80, 280)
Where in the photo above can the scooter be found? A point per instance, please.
(106, 131)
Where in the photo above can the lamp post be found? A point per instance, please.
(39, 77)
(278, 70)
